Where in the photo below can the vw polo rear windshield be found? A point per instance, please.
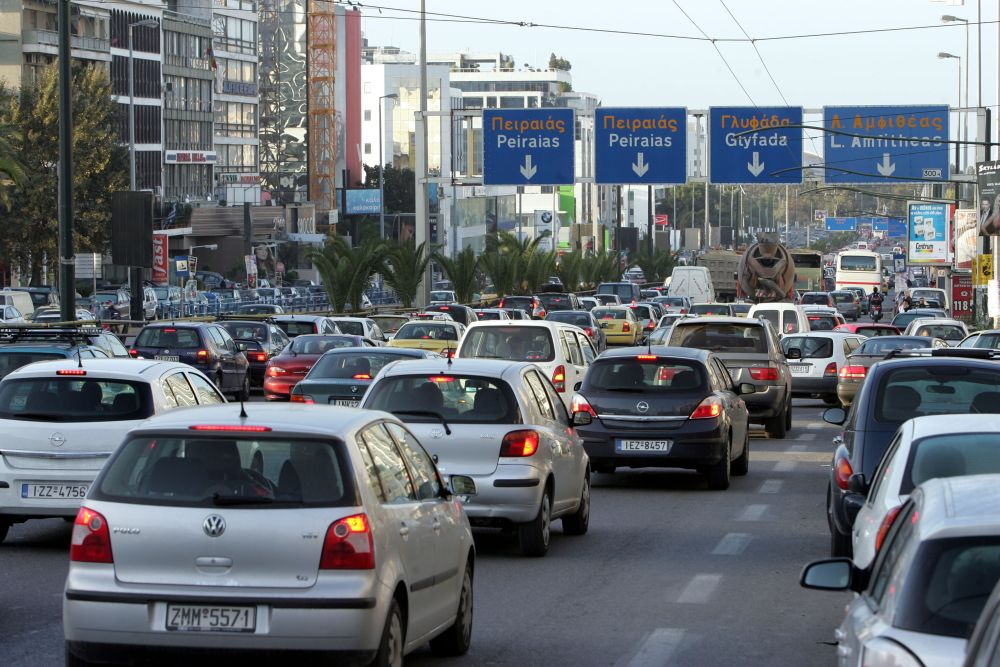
(74, 399)
(718, 337)
(513, 343)
(234, 470)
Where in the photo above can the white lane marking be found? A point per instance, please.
(806, 436)
(752, 513)
(784, 466)
(658, 648)
(732, 544)
(770, 486)
(796, 448)
(815, 425)
(699, 590)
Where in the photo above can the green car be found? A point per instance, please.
(342, 375)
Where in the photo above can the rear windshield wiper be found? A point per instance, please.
(425, 413)
(628, 389)
(230, 501)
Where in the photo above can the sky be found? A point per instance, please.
(623, 70)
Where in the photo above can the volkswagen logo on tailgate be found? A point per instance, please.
(642, 406)
(214, 525)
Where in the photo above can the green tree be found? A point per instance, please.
(656, 266)
(462, 271)
(400, 188)
(600, 268)
(556, 62)
(346, 271)
(526, 263)
(99, 167)
(404, 268)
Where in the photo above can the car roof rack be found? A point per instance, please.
(952, 352)
(247, 317)
(39, 333)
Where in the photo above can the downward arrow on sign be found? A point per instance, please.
(756, 166)
(527, 170)
(641, 168)
(885, 167)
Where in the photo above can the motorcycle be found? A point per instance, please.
(875, 311)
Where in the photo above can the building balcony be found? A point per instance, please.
(51, 38)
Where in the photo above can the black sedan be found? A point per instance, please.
(342, 375)
(259, 341)
(664, 407)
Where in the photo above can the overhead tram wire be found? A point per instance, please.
(719, 51)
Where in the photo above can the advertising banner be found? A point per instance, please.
(160, 271)
(961, 297)
(362, 201)
(988, 177)
(966, 233)
(928, 233)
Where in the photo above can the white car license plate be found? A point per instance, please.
(629, 446)
(72, 490)
(210, 618)
(167, 357)
(346, 402)
(799, 370)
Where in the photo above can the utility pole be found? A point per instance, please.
(708, 236)
(649, 220)
(422, 230)
(67, 267)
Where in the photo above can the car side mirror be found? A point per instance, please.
(577, 386)
(834, 574)
(793, 353)
(242, 347)
(462, 485)
(582, 418)
(745, 388)
(836, 416)
(857, 483)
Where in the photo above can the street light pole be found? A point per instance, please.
(944, 56)
(145, 23)
(381, 167)
(963, 119)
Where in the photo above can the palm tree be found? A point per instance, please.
(404, 267)
(346, 271)
(462, 271)
(538, 267)
(568, 270)
(656, 266)
(518, 253)
(600, 268)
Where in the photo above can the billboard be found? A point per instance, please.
(360, 201)
(988, 177)
(929, 233)
(966, 238)
(161, 274)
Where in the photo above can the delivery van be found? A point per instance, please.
(694, 282)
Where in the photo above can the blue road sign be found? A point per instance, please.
(880, 224)
(640, 145)
(897, 229)
(768, 155)
(885, 143)
(841, 224)
(528, 146)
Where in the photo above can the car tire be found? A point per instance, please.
(788, 416)
(390, 648)
(741, 464)
(456, 639)
(605, 469)
(244, 393)
(840, 544)
(776, 426)
(4, 528)
(72, 660)
(578, 522)
(534, 536)
(831, 399)
(719, 475)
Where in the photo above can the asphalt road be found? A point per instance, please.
(669, 574)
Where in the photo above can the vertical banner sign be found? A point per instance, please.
(961, 297)
(966, 236)
(988, 180)
(928, 233)
(161, 274)
(528, 146)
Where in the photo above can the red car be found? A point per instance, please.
(869, 329)
(286, 369)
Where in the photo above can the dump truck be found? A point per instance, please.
(722, 266)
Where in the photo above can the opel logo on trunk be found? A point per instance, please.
(642, 406)
(214, 525)
(57, 439)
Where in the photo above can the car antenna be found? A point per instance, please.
(448, 354)
(243, 409)
(649, 344)
(79, 358)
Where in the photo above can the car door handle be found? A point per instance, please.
(404, 530)
(436, 525)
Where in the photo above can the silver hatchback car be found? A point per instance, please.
(314, 531)
(502, 424)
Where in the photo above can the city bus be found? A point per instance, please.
(859, 268)
(808, 269)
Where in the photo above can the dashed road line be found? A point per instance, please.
(732, 544)
(700, 589)
(785, 466)
(796, 448)
(806, 436)
(753, 513)
(658, 648)
(770, 486)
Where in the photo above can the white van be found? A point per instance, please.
(694, 282)
(786, 318)
(20, 300)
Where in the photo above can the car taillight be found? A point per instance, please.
(73, 371)
(886, 524)
(853, 373)
(275, 371)
(361, 376)
(767, 373)
(580, 404)
(842, 472)
(91, 541)
(650, 326)
(559, 378)
(501, 303)
(710, 408)
(589, 331)
(683, 311)
(519, 443)
(259, 356)
(202, 355)
(301, 398)
(831, 370)
(133, 353)
(349, 545)
(625, 327)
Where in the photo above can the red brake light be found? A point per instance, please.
(886, 524)
(230, 428)
(275, 371)
(625, 327)
(74, 371)
(441, 378)
(843, 472)
(260, 356)
(348, 545)
(853, 373)
(710, 408)
(831, 370)
(646, 357)
(170, 331)
(202, 354)
(650, 326)
(91, 542)
(445, 308)
(559, 378)
(301, 398)
(133, 353)
(501, 304)
(589, 331)
(519, 443)
(767, 373)
(580, 404)
(361, 376)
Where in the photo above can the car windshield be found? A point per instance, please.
(671, 300)
(710, 309)
(858, 263)
(297, 327)
(947, 584)
(168, 337)
(442, 296)
(809, 347)
(875, 331)
(517, 302)
(514, 343)
(319, 344)
(815, 297)
(747, 338)
(11, 360)
(257, 309)
(610, 313)
(457, 398)
(555, 301)
(74, 399)
(353, 365)
(885, 344)
(741, 308)
(844, 297)
(570, 317)
(161, 293)
(623, 290)
(914, 391)
(942, 331)
(789, 321)
(642, 312)
(485, 315)
(244, 331)
(426, 330)
(351, 327)
(659, 375)
(390, 324)
(952, 455)
(986, 341)
(822, 322)
(212, 472)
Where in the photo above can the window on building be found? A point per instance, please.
(368, 149)
(368, 114)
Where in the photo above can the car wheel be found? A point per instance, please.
(72, 660)
(4, 527)
(719, 474)
(457, 638)
(244, 393)
(578, 522)
(788, 417)
(741, 464)
(534, 535)
(840, 544)
(776, 426)
(831, 399)
(390, 649)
